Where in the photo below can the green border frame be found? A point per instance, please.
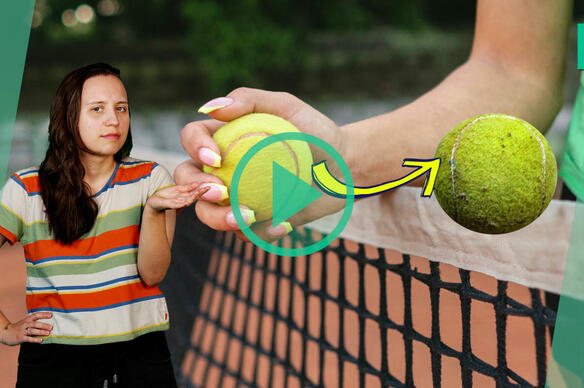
(15, 22)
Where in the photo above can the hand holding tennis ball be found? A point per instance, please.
(497, 173)
(206, 161)
(255, 186)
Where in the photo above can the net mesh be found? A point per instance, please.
(349, 315)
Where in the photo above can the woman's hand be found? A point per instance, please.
(176, 197)
(27, 330)
(197, 140)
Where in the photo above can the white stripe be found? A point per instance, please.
(118, 198)
(83, 279)
(119, 320)
(83, 260)
(86, 291)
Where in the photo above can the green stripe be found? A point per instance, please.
(10, 221)
(113, 221)
(15, 19)
(84, 268)
(104, 340)
(568, 343)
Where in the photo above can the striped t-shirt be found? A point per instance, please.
(92, 286)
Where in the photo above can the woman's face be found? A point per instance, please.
(104, 120)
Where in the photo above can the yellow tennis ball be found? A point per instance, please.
(255, 185)
(497, 173)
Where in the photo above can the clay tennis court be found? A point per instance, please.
(226, 320)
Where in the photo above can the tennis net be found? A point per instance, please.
(349, 315)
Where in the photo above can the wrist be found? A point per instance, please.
(3, 334)
(148, 208)
(349, 150)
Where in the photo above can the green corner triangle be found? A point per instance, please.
(290, 194)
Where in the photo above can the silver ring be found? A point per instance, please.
(26, 331)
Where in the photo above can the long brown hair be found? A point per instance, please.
(68, 203)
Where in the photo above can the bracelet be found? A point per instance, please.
(3, 332)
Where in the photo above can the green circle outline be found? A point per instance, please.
(292, 252)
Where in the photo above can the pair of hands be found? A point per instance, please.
(196, 138)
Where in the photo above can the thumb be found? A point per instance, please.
(242, 101)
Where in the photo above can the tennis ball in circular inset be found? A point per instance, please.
(497, 173)
(255, 186)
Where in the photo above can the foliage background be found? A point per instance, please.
(176, 51)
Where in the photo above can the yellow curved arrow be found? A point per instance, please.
(332, 186)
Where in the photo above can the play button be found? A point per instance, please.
(290, 194)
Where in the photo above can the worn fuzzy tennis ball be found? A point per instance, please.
(497, 173)
(255, 186)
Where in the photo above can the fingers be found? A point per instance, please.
(222, 217)
(187, 188)
(36, 340)
(199, 192)
(194, 195)
(38, 328)
(196, 139)
(191, 192)
(188, 173)
(247, 100)
(41, 315)
(31, 329)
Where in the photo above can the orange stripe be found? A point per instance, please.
(32, 184)
(119, 294)
(86, 247)
(11, 237)
(131, 173)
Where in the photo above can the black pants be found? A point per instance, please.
(141, 362)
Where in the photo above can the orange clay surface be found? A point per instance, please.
(520, 330)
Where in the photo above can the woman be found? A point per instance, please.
(96, 226)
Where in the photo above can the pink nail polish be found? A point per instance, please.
(214, 104)
(280, 230)
(209, 157)
(216, 193)
(247, 214)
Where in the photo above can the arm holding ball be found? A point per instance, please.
(516, 67)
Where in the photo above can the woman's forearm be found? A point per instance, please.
(516, 67)
(154, 247)
(415, 130)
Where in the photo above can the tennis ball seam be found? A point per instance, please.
(453, 166)
(251, 134)
(453, 163)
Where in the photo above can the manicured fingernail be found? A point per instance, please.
(214, 104)
(216, 192)
(247, 214)
(281, 229)
(209, 157)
